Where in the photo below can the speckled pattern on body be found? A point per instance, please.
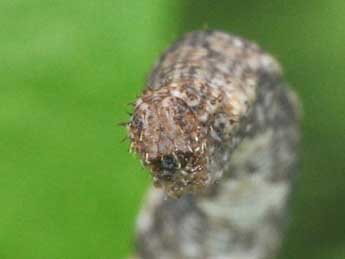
(218, 129)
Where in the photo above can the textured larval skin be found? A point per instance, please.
(218, 130)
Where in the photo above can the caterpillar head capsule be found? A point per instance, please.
(166, 134)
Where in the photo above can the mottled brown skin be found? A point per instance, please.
(218, 129)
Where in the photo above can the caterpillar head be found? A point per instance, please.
(168, 137)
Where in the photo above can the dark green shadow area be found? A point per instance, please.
(308, 39)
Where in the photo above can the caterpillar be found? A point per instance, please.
(218, 128)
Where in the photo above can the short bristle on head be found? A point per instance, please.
(167, 136)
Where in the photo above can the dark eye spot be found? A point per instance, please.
(137, 124)
(168, 163)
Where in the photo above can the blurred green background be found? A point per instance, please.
(68, 186)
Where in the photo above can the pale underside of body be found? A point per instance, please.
(218, 129)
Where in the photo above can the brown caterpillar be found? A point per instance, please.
(213, 105)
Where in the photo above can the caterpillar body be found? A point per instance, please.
(217, 128)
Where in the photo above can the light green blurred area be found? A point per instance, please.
(68, 186)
